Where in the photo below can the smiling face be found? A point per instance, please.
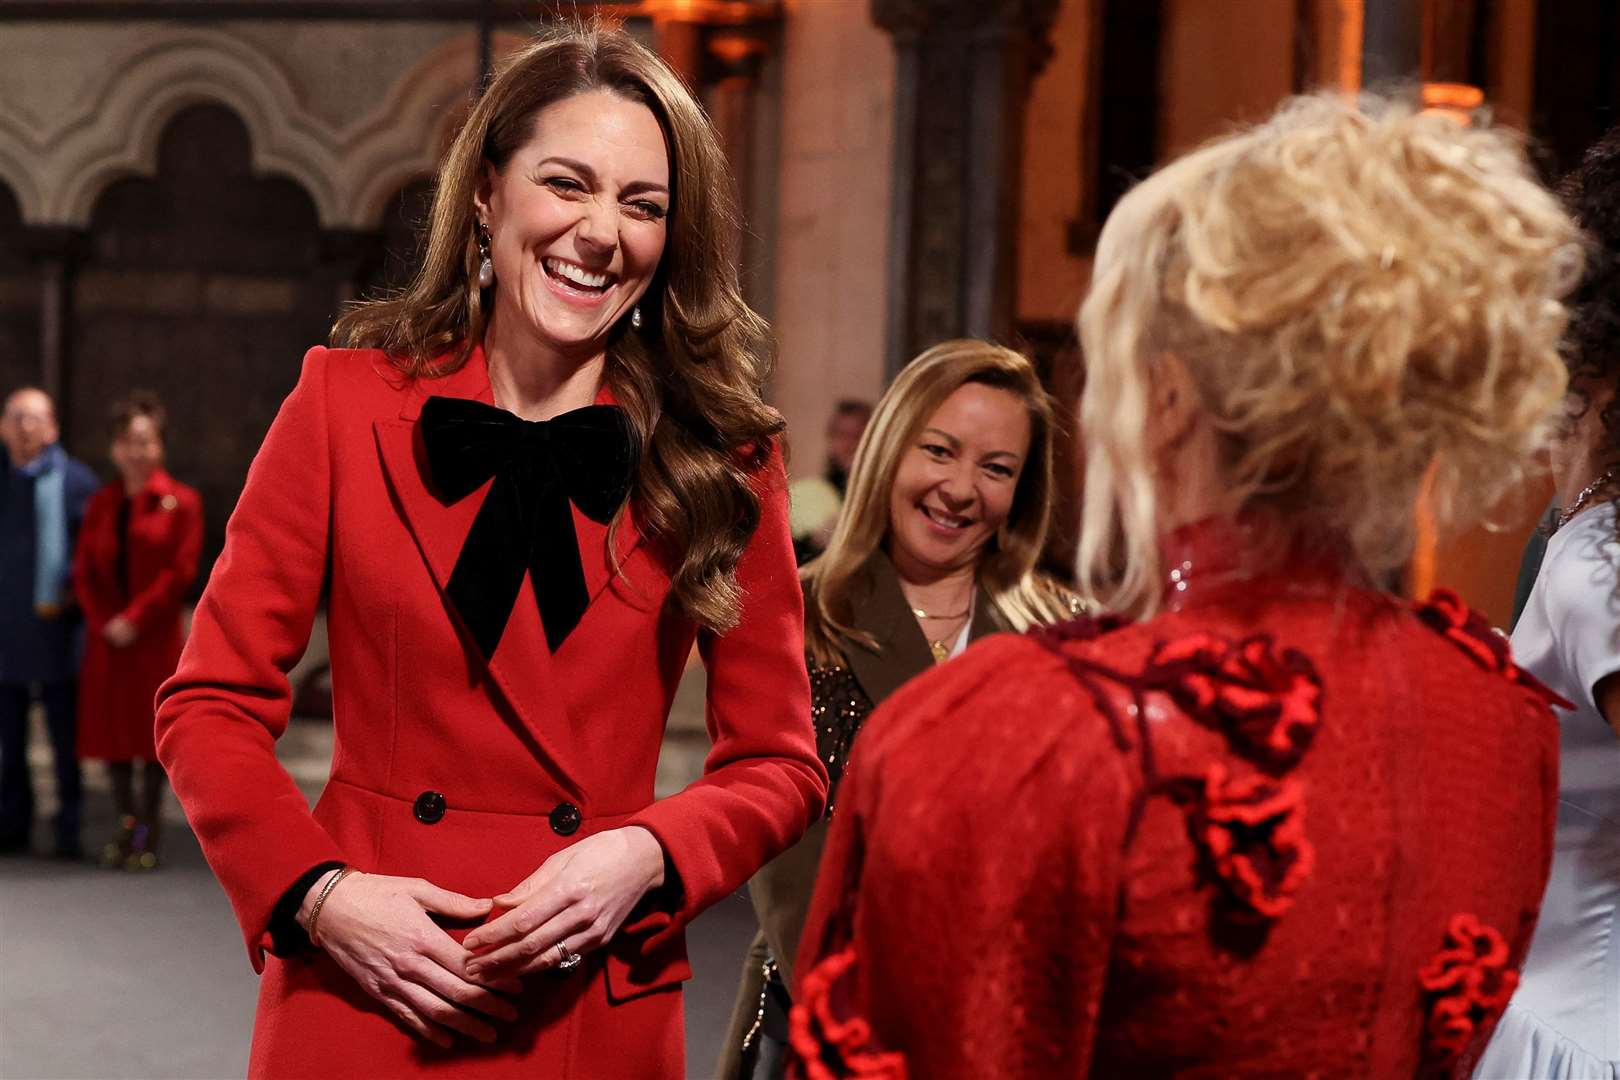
(578, 219)
(137, 449)
(954, 485)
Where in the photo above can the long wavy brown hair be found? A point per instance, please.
(691, 380)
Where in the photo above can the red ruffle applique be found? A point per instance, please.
(1253, 830)
(827, 1048)
(1467, 984)
(1472, 632)
(1270, 704)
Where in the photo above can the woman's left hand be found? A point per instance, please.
(579, 897)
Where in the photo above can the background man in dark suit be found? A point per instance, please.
(41, 506)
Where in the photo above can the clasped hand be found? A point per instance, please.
(579, 897)
(377, 928)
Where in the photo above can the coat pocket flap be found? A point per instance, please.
(633, 970)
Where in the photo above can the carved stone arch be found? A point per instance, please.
(403, 138)
(115, 133)
(17, 177)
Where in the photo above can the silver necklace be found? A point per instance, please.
(1579, 504)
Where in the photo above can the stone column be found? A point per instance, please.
(736, 63)
(725, 53)
(963, 71)
(57, 251)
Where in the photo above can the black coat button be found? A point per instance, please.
(565, 819)
(429, 807)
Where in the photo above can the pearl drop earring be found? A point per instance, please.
(486, 268)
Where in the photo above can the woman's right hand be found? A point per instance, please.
(378, 930)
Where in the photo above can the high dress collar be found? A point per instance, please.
(1219, 560)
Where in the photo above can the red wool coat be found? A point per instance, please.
(1288, 828)
(116, 686)
(465, 773)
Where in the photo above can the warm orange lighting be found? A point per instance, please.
(1349, 20)
(671, 9)
(1420, 571)
(1455, 101)
(735, 49)
(710, 12)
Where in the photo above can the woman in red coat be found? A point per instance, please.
(527, 485)
(1270, 820)
(135, 559)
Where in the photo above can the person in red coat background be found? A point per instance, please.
(136, 557)
(1268, 820)
(528, 484)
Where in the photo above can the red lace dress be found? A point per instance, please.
(1289, 827)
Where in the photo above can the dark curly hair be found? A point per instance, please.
(1592, 342)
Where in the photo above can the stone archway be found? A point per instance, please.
(57, 161)
(204, 284)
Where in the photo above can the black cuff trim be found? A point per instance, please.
(287, 938)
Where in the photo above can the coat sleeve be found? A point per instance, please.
(91, 584)
(762, 783)
(160, 600)
(219, 716)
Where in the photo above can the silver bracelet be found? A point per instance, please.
(320, 902)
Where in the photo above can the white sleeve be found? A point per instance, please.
(1582, 604)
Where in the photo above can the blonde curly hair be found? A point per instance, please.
(1365, 296)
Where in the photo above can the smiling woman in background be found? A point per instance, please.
(949, 499)
(529, 483)
(134, 564)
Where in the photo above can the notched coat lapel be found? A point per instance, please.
(879, 607)
(521, 669)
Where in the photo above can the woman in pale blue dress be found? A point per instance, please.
(1564, 1021)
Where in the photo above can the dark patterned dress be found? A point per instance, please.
(838, 707)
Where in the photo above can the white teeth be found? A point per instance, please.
(577, 274)
(951, 520)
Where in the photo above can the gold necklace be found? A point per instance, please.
(940, 647)
(921, 614)
(941, 650)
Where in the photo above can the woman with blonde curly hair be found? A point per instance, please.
(528, 484)
(1268, 819)
(949, 499)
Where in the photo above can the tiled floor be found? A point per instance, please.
(108, 975)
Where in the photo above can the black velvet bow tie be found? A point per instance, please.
(586, 457)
